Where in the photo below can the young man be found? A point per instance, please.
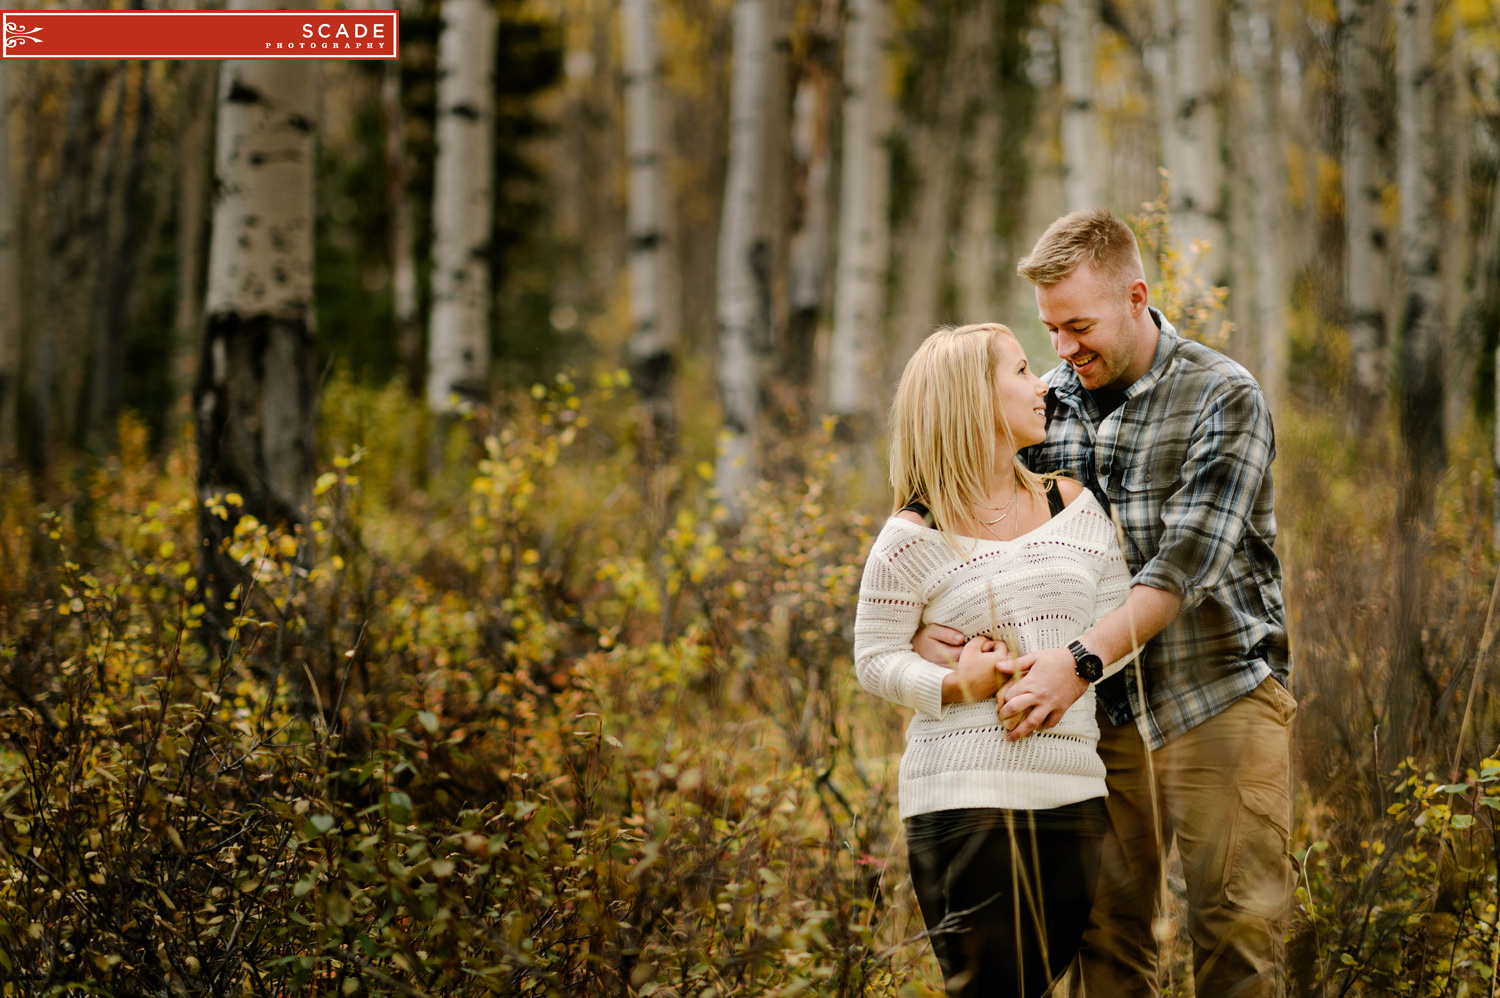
(1176, 441)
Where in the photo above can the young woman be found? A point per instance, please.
(1003, 835)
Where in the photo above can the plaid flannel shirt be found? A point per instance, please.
(1184, 466)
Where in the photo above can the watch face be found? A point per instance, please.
(1088, 665)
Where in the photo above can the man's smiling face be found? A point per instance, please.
(1090, 315)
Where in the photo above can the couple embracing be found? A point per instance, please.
(1077, 596)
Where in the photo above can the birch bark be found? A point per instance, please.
(1197, 172)
(1082, 151)
(1262, 151)
(458, 346)
(1420, 392)
(1365, 238)
(743, 296)
(864, 230)
(652, 346)
(256, 398)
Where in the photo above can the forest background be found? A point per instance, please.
(433, 493)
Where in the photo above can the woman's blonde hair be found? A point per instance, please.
(944, 423)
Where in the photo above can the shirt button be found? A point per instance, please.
(1148, 476)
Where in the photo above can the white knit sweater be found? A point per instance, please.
(1041, 590)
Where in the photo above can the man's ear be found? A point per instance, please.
(1139, 296)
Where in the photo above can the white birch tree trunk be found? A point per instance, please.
(458, 346)
(1197, 172)
(256, 398)
(1083, 152)
(1365, 263)
(652, 346)
(864, 230)
(1422, 230)
(1420, 410)
(741, 283)
(10, 292)
(1158, 58)
(1455, 117)
(1261, 149)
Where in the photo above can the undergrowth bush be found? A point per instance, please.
(503, 739)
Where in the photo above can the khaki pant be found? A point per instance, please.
(1223, 792)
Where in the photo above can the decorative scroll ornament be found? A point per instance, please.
(16, 35)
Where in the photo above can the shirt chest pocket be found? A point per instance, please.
(1138, 493)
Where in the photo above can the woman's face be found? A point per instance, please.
(1019, 394)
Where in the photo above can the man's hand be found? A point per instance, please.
(1048, 685)
(939, 644)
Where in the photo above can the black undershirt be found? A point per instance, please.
(1108, 400)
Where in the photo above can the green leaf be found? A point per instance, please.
(1454, 788)
(1346, 959)
(398, 807)
(1463, 820)
(338, 909)
(318, 824)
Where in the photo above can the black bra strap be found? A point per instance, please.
(1054, 497)
(921, 510)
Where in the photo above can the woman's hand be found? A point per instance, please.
(982, 666)
(939, 644)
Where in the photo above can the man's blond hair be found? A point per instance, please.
(1094, 236)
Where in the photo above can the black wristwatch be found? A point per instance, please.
(1088, 665)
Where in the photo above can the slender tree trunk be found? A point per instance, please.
(256, 397)
(71, 275)
(123, 234)
(10, 291)
(199, 86)
(975, 265)
(937, 148)
(743, 289)
(1261, 149)
(1083, 153)
(652, 348)
(864, 230)
(1454, 121)
(1421, 381)
(458, 346)
(1156, 54)
(813, 116)
(1365, 238)
(812, 150)
(403, 232)
(1197, 173)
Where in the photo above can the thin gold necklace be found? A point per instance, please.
(1003, 509)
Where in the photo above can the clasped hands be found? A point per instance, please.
(1032, 692)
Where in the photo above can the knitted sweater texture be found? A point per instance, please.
(1041, 590)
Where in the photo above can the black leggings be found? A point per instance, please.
(1006, 894)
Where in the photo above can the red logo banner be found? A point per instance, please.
(199, 34)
